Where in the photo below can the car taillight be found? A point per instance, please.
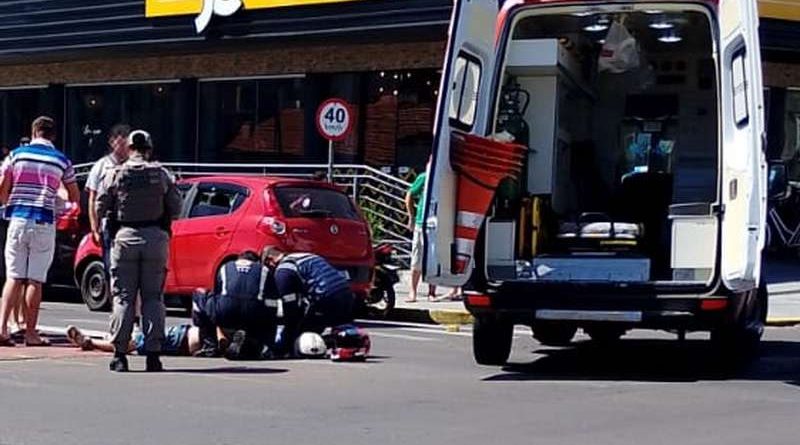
(68, 221)
(271, 226)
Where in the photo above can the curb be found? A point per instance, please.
(783, 321)
(431, 316)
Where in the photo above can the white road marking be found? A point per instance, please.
(62, 330)
(401, 336)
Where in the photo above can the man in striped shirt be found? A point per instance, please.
(31, 177)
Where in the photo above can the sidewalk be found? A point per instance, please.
(784, 305)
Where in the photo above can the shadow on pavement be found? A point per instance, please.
(655, 361)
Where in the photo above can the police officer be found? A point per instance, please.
(140, 200)
(314, 294)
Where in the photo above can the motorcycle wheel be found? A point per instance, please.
(384, 300)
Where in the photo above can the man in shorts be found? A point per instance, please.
(415, 199)
(31, 177)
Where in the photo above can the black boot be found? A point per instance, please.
(119, 363)
(153, 363)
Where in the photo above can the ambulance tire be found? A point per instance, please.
(491, 340)
(738, 343)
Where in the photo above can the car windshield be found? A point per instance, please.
(309, 202)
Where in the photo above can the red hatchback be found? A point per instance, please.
(225, 215)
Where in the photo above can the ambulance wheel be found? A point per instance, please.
(94, 287)
(491, 340)
(550, 333)
(739, 341)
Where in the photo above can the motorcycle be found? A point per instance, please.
(381, 298)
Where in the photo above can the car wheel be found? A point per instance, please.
(605, 334)
(384, 301)
(94, 287)
(739, 341)
(551, 333)
(491, 340)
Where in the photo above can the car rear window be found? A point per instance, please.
(309, 202)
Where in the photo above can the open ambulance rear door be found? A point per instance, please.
(743, 159)
(464, 105)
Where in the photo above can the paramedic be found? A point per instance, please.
(314, 294)
(238, 303)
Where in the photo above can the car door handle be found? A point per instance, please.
(222, 231)
(300, 231)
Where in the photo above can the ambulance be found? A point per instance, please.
(600, 165)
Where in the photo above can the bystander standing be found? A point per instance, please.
(31, 176)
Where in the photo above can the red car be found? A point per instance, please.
(225, 215)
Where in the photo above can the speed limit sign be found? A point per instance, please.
(334, 119)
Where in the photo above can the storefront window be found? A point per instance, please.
(155, 107)
(399, 123)
(18, 109)
(251, 120)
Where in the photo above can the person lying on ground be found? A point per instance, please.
(239, 302)
(178, 340)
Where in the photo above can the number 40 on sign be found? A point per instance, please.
(334, 119)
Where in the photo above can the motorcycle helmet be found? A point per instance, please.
(310, 344)
(349, 344)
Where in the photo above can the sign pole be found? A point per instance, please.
(330, 161)
(334, 123)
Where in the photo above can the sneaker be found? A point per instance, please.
(234, 350)
(119, 363)
(208, 352)
(153, 363)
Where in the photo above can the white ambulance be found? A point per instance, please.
(641, 198)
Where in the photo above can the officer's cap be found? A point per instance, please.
(140, 140)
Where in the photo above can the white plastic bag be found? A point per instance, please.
(620, 53)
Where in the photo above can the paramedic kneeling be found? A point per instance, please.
(314, 294)
(237, 303)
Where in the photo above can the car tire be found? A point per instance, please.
(739, 342)
(605, 334)
(551, 333)
(491, 340)
(94, 287)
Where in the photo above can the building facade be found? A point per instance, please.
(219, 86)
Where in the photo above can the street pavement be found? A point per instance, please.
(420, 387)
(783, 277)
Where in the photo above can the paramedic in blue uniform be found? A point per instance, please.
(237, 303)
(314, 294)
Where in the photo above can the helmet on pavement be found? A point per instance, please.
(349, 343)
(310, 344)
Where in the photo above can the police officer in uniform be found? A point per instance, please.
(140, 201)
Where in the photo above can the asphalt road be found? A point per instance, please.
(421, 387)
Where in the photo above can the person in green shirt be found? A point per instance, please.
(415, 198)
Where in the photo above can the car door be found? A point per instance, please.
(201, 239)
(464, 106)
(187, 191)
(744, 162)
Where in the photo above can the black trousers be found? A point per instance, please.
(210, 312)
(334, 310)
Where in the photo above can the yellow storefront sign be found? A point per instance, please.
(160, 8)
(779, 9)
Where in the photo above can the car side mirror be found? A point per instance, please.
(778, 181)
